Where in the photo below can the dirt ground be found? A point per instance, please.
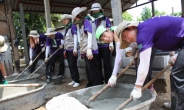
(55, 90)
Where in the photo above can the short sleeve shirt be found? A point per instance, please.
(74, 29)
(58, 37)
(87, 26)
(164, 33)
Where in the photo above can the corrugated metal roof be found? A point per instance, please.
(66, 6)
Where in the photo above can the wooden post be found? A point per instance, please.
(47, 13)
(12, 35)
(24, 33)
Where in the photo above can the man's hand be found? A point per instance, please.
(111, 47)
(89, 54)
(43, 49)
(136, 93)
(172, 60)
(74, 52)
(30, 62)
(46, 59)
(60, 46)
(112, 80)
(132, 60)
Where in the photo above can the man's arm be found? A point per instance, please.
(142, 73)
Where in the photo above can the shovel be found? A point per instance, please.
(42, 64)
(105, 87)
(27, 66)
(143, 88)
(21, 85)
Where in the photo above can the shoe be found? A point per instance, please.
(71, 83)
(48, 81)
(76, 85)
(4, 82)
(167, 105)
(62, 76)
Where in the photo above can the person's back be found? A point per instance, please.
(165, 33)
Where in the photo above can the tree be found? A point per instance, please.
(33, 21)
(157, 13)
(146, 13)
(126, 16)
(177, 14)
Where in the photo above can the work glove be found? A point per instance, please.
(89, 54)
(46, 59)
(64, 53)
(136, 93)
(74, 52)
(112, 80)
(30, 62)
(60, 46)
(132, 60)
(43, 49)
(111, 47)
(172, 60)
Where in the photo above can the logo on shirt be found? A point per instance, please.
(139, 46)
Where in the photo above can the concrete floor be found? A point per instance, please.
(55, 90)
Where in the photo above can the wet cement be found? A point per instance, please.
(108, 100)
(111, 104)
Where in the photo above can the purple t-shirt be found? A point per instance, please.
(38, 47)
(87, 26)
(58, 37)
(164, 33)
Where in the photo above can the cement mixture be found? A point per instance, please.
(111, 104)
(71, 103)
(109, 100)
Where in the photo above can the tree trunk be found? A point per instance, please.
(15, 53)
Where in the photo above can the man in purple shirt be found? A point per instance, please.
(54, 42)
(164, 33)
(37, 45)
(104, 49)
(88, 46)
(70, 47)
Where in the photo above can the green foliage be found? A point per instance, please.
(33, 21)
(146, 13)
(126, 16)
(157, 13)
(138, 19)
(177, 14)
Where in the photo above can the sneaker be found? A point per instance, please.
(71, 83)
(167, 105)
(76, 85)
(48, 81)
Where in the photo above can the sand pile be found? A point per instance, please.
(65, 103)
